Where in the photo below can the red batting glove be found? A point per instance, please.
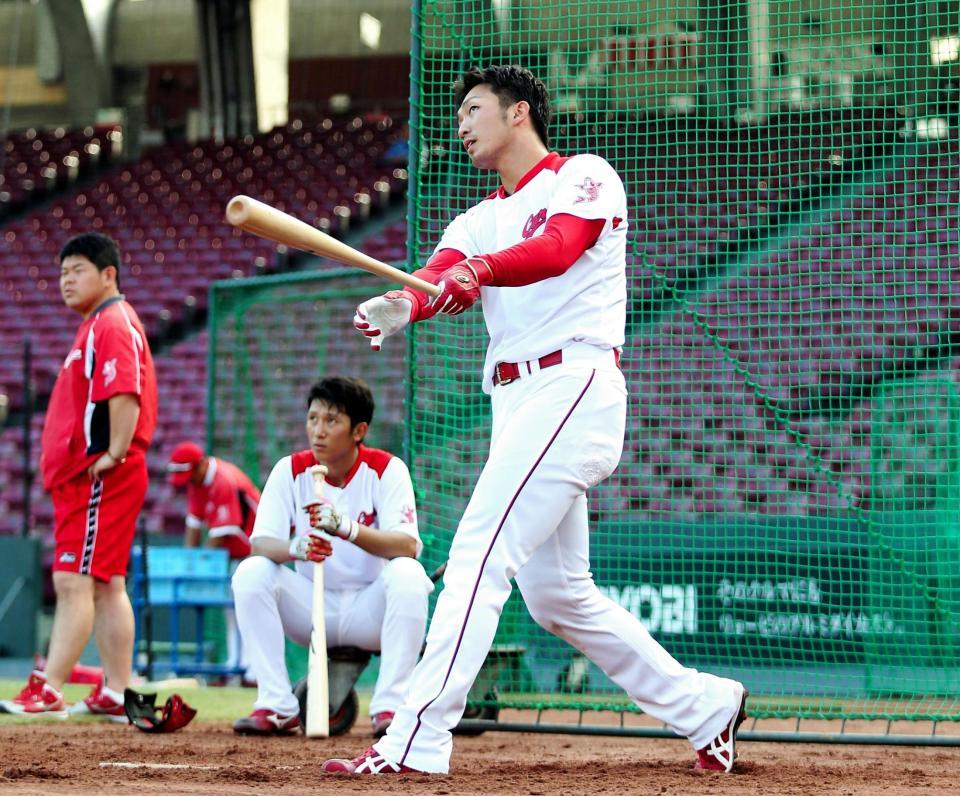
(310, 547)
(320, 548)
(460, 285)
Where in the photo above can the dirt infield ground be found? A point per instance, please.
(94, 758)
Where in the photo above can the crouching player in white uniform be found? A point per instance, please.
(375, 590)
(546, 257)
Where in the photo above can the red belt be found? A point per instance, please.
(505, 372)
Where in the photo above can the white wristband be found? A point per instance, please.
(354, 531)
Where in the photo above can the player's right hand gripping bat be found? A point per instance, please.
(318, 686)
(268, 222)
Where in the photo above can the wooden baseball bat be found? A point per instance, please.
(268, 222)
(318, 685)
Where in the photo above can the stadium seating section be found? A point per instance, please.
(37, 163)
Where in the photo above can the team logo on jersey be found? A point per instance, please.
(73, 356)
(591, 190)
(534, 223)
(367, 519)
(223, 513)
(409, 514)
(68, 558)
(109, 371)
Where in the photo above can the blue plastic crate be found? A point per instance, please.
(188, 575)
(172, 561)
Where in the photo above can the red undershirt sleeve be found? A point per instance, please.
(563, 241)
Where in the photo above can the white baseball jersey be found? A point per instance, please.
(587, 304)
(377, 492)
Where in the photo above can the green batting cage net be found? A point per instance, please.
(270, 340)
(786, 508)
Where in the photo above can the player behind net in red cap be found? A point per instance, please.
(222, 499)
(546, 257)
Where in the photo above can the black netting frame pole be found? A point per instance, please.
(27, 451)
(146, 615)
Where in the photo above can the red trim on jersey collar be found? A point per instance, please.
(551, 161)
(353, 469)
(376, 459)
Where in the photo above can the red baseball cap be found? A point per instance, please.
(182, 461)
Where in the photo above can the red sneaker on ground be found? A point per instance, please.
(264, 721)
(38, 699)
(381, 722)
(721, 753)
(100, 704)
(370, 762)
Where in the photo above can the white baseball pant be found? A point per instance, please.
(389, 615)
(555, 434)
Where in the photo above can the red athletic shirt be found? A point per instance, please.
(226, 499)
(110, 356)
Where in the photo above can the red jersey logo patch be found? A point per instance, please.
(534, 223)
(590, 189)
(367, 519)
(109, 371)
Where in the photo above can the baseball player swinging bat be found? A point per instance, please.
(318, 687)
(267, 222)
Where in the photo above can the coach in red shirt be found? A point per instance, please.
(98, 426)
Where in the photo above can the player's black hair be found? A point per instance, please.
(98, 249)
(350, 395)
(511, 84)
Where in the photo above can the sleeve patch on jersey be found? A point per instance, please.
(590, 190)
(109, 371)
